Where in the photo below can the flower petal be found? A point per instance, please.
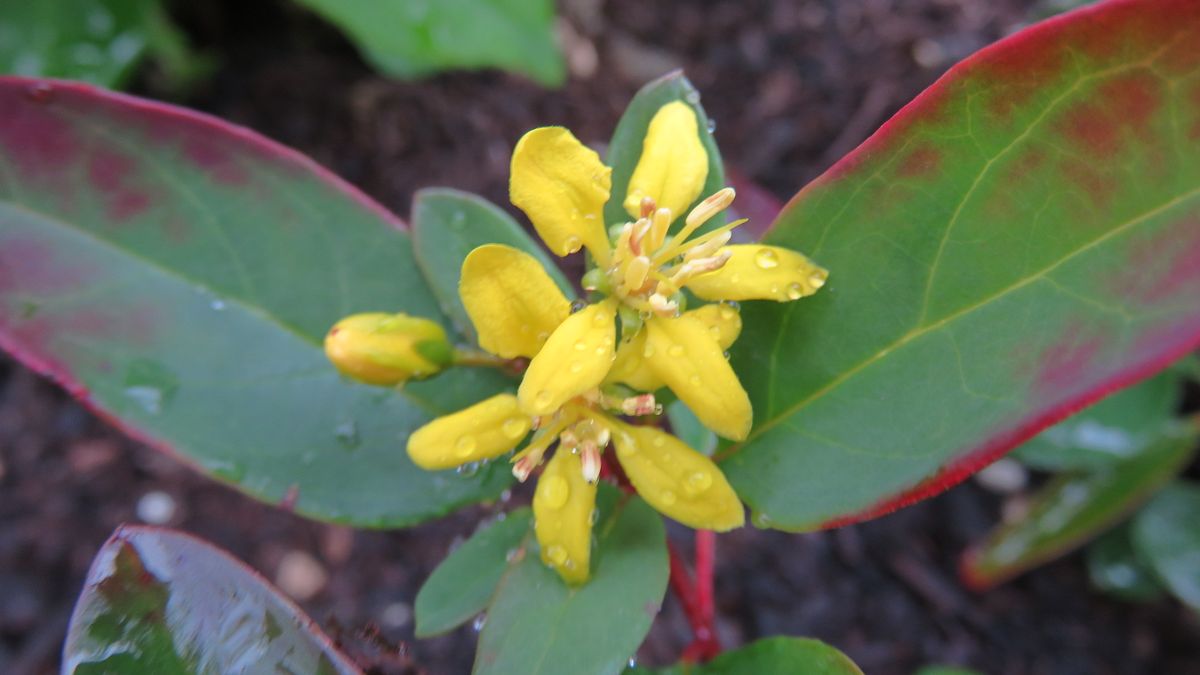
(575, 359)
(485, 430)
(757, 272)
(562, 186)
(690, 361)
(673, 165)
(562, 516)
(676, 480)
(512, 302)
(630, 368)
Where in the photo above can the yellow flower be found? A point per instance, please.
(570, 393)
(387, 349)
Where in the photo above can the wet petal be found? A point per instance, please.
(758, 272)
(724, 323)
(690, 361)
(562, 513)
(575, 359)
(673, 165)
(676, 480)
(630, 367)
(562, 186)
(512, 302)
(484, 431)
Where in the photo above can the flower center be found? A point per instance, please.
(647, 269)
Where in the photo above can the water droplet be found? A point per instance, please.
(668, 498)
(712, 126)
(698, 482)
(217, 304)
(658, 442)
(632, 662)
(504, 497)
(817, 280)
(735, 278)
(458, 220)
(715, 332)
(761, 520)
(727, 313)
(578, 305)
(572, 244)
(150, 385)
(599, 319)
(465, 445)
(479, 622)
(514, 554)
(576, 366)
(515, 427)
(467, 470)
(766, 259)
(648, 351)
(554, 491)
(556, 554)
(795, 291)
(542, 336)
(694, 380)
(594, 516)
(675, 351)
(580, 345)
(543, 398)
(346, 432)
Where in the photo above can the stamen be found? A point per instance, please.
(590, 460)
(640, 228)
(694, 267)
(707, 248)
(635, 274)
(658, 230)
(711, 206)
(635, 406)
(647, 206)
(662, 306)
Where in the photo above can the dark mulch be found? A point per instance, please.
(792, 86)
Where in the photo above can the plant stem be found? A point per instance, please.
(697, 596)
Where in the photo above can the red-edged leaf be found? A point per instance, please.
(1016, 243)
(159, 602)
(178, 274)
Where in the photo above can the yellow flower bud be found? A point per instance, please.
(387, 349)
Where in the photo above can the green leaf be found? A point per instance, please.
(625, 148)
(1113, 430)
(178, 275)
(97, 41)
(1167, 537)
(536, 624)
(1072, 509)
(160, 602)
(410, 38)
(689, 429)
(1114, 567)
(463, 584)
(447, 225)
(772, 655)
(1016, 243)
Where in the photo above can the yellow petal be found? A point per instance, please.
(758, 272)
(387, 349)
(673, 165)
(575, 359)
(676, 480)
(562, 186)
(512, 302)
(562, 516)
(690, 361)
(722, 321)
(486, 430)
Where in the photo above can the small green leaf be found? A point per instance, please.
(625, 148)
(689, 429)
(769, 656)
(1166, 535)
(1072, 509)
(409, 39)
(463, 584)
(447, 225)
(1109, 432)
(536, 624)
(158, 602)
(1114, 567)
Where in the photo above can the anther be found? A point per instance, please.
(590, 461)
(634, 406)
(711, 206)
(662, 306)
(647, 207)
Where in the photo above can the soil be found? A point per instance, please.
(792, 85)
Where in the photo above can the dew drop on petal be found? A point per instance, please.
(556, 554)
(727, 313)
(515, 427)
(715, 331)
(766, 259)
(694, 380)
(543, 398)
(658, 442)
(648, 351)
(580, 345)
(576, 366)
(465, 445)
(599, 319)
(816, 280)
(735, 278)
(698, 482)
(795, 291)
(555, 491)
(675, 351)
(667, 497)
(573, 243)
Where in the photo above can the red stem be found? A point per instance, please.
(696, 597)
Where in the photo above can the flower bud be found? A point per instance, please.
(387, 349)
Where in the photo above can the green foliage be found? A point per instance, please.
(1167, 538)
(446, 225)
(1114, 567)
(97, 41)
(772, 655)
(1016, 243)
(412, 38)
(537, 625)
(158, 602)
(184, 288)
(1073, 508)
(463, 585)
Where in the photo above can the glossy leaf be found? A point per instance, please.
(409, 39)
(625, 148)
(1019, 241)
(1114, 567)
(463, 584)
(689, 429)
(772, 655)
(1166, 535)
(178, 274)
(1109, 432)
(447, 225)
(1072, 509)
(536, 624)
(158, 602)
